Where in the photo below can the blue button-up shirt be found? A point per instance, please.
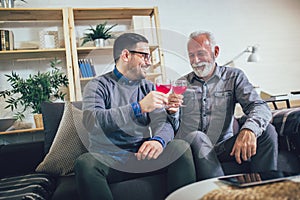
(211, 104)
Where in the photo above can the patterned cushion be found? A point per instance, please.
(71, 141)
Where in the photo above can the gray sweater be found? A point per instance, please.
(114, 128)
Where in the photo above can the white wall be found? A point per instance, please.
(272, 24)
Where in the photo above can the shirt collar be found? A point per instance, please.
(118, 74)
(123, 79)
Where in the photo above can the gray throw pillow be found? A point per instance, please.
(70, 142)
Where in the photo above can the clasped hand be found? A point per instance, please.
(149, 150)
(175, 101)
(156, 99)
(152, 101)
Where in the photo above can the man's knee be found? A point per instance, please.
(178, 148)
(83, 162)
(179, 145)
(268, 141)
(196, 137)
(270, 135)
(89, 165)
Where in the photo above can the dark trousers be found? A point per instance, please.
(266, 155)
(94, 173)
(208, 158)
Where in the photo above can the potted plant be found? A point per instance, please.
(98, 34)
(31, 92)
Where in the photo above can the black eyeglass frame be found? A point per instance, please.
(146, 56)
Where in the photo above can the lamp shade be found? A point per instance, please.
(253, 57)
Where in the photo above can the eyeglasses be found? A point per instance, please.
(146, 56)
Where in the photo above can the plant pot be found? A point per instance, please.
(38, 120)
(99, 42)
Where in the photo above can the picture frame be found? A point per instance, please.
(49, 39)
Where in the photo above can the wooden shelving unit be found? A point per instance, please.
(23, 17)
(111, 13)
(32, 54)
(80, 15)
(71, 51)
(21, 131)
(31, 14)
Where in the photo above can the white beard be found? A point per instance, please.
(202, 69)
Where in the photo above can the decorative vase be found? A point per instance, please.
(99, 42)
(38, 120)
(8, 3)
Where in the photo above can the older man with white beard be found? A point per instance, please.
(210, 102)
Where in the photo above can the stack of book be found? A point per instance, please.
(6, 40)
(86, 68)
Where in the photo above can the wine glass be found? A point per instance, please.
(163, 86)
(179, 87)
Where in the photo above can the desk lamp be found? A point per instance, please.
(252, 58)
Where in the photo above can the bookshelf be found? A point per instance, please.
(140, 20)
(26, 23)
(72, 22)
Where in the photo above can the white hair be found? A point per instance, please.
(209, 35)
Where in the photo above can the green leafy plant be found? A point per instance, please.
(100, 31)
(31, 92)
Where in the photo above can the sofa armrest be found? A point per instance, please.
(287, 124)
(20, 158)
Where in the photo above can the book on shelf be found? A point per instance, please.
(6, 40)
(83, 72)
(92, 67)
(2, 41)
(86, 68)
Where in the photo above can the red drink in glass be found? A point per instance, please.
(164, 88)
(179, 89)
